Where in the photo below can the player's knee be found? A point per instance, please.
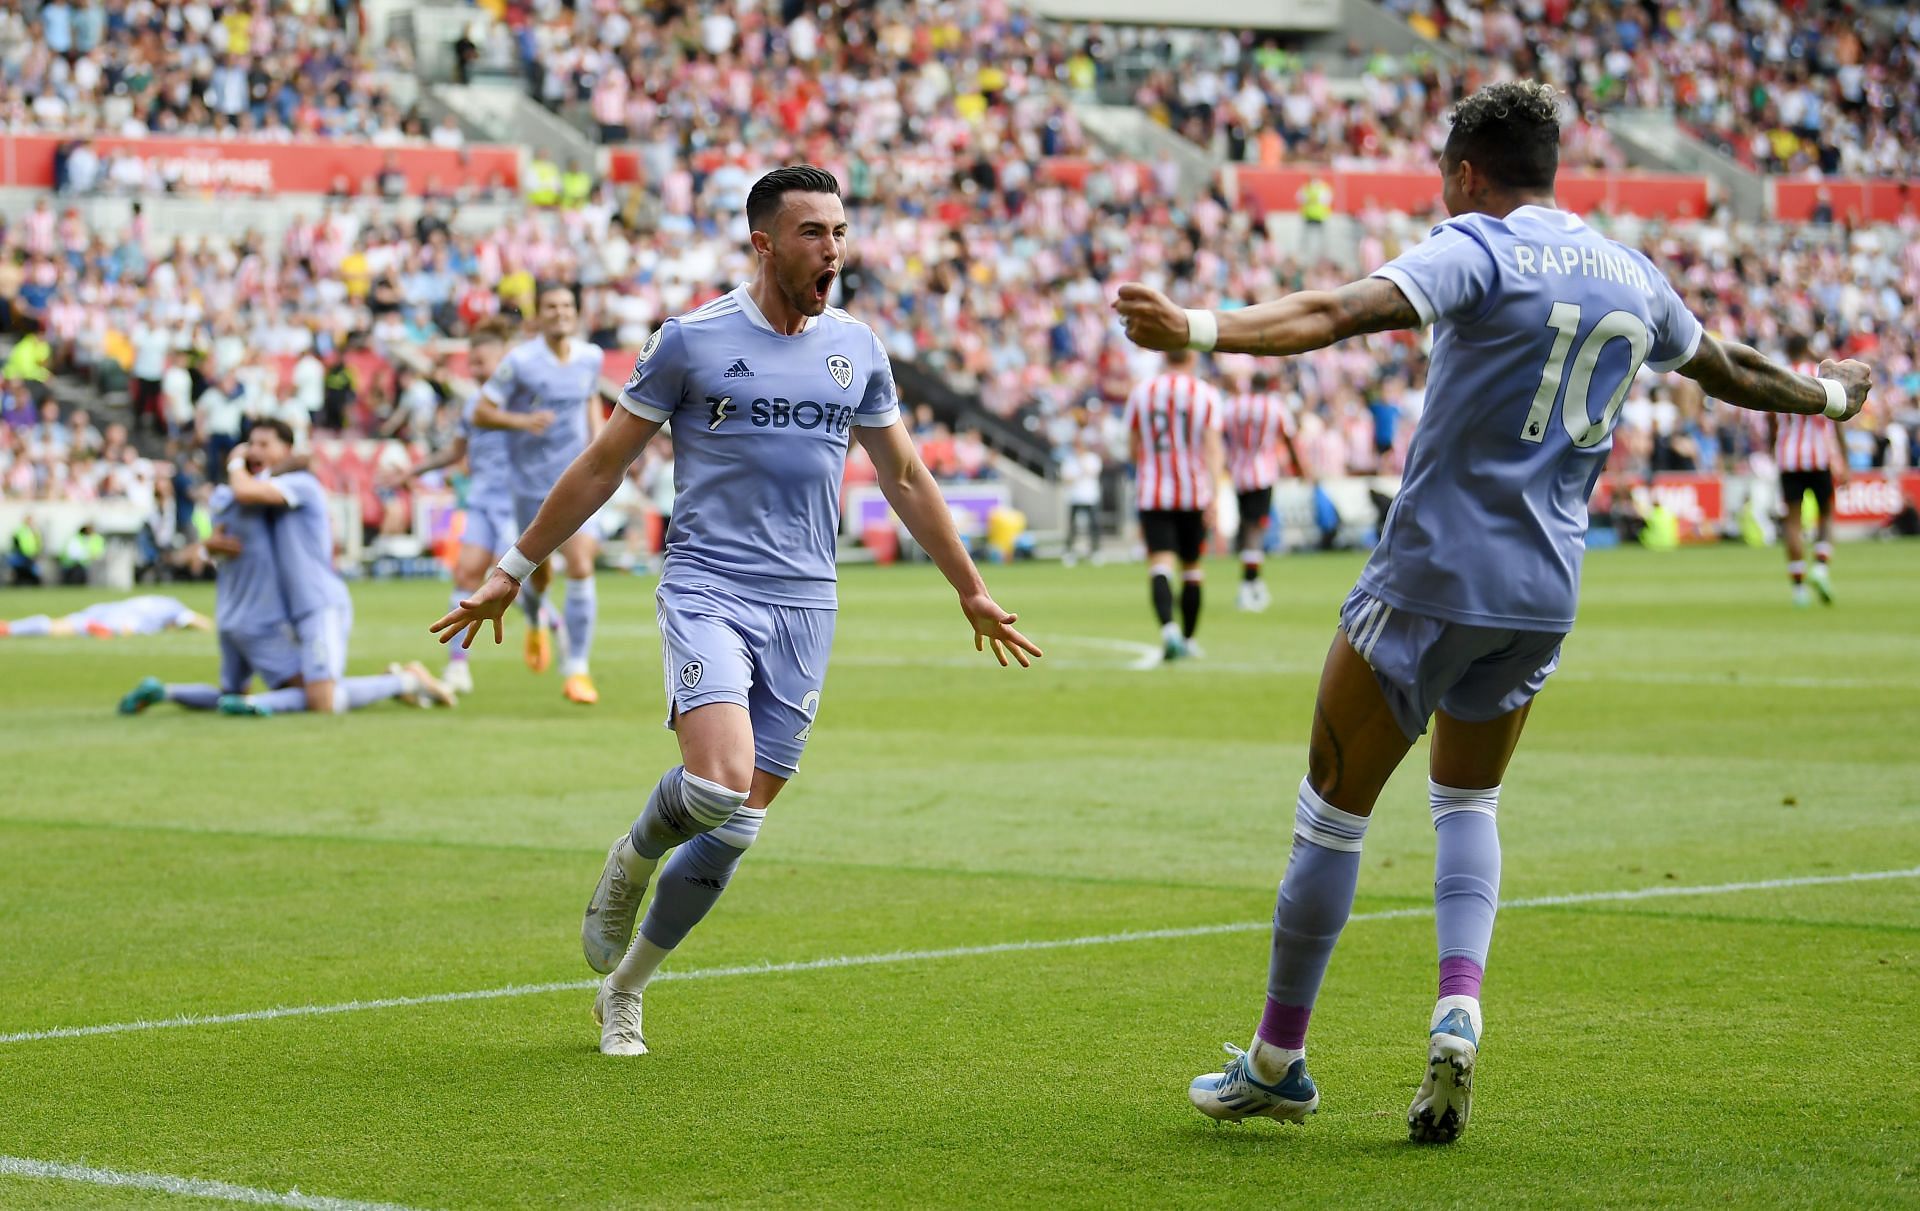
(712, 803)
(326, 698)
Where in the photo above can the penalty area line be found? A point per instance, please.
(184, 1187)
(895, 957)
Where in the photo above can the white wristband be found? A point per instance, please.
(1203, 331)
(1836, 398)
(517, 566)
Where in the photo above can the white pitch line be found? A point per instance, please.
(185, 1187)
(892, 957)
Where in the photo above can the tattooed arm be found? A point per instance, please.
(1731, 371)
(1298, 323)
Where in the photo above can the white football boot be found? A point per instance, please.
(608, 924)
(618, 1014)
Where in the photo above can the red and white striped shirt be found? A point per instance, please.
(1804, 443)
(1254, 425)
(1170, 416)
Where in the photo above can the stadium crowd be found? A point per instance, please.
(1785, 87)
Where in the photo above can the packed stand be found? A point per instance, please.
(1786, 88)
(904, 78)
(133, 68)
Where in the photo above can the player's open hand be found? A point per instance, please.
(993, 625)
(1151, 319)
(536, 422)
(1856, 377)
(488, 602)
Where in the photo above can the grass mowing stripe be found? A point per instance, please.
(923, 956)
(185, 1187)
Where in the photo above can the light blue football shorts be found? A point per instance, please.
(1474, 674)
(770, 659)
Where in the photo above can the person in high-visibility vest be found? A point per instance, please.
(1316, 207)
(576, 186)
(23, 555)
(543, 182)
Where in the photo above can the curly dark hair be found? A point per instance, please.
(1509, 131)
(763, 200)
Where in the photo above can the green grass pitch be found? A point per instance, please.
(1750, 1047)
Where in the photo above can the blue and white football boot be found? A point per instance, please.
(1439, 1112)
(1237, 1094)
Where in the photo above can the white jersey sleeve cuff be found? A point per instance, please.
(877, 420)
(1674, 363)
(1415, 295)
(644, 411)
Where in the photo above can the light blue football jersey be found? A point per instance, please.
(489, 456)
(303, 547)
(246, 594)
(1540, 325)
(761, 423)
(532, 379)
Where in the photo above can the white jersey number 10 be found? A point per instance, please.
(1576, 412)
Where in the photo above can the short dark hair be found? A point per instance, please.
(1799, 348)
(494, 330)
(279, 428)
(1511, 132)
(763, 200)
(543, 289)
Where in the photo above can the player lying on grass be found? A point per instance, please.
(258, 563)
(148, 615)
(490, 526)
(764, 387)
(1540, 325)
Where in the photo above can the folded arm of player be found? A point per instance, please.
(909, 488)
(488, 414)
(587, 483)
(1730, 371)
(250, 489)
(1298, 323)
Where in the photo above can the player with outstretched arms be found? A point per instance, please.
(765, 386)
(546, 394)
(1540, 325)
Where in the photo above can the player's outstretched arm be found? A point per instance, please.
(909, 488)
(1298, 323)
(1733, 372)
(583, 487)
(449, 454)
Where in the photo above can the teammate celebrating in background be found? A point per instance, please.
(1541, 325)
(1258, 424)
(1808, 452)
(490, 523)
(764, 386)
(546, 393)
(1173, 425)
(317, 602)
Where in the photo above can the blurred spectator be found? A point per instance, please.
(81, 554)
(23, 552)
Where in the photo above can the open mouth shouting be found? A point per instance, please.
(822, 286)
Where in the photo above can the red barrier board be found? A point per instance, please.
(1852, 201)
(1651, 195)
(1697, 500)
(223, 166)
(1869, 496)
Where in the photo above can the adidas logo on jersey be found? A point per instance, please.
(738, 369)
